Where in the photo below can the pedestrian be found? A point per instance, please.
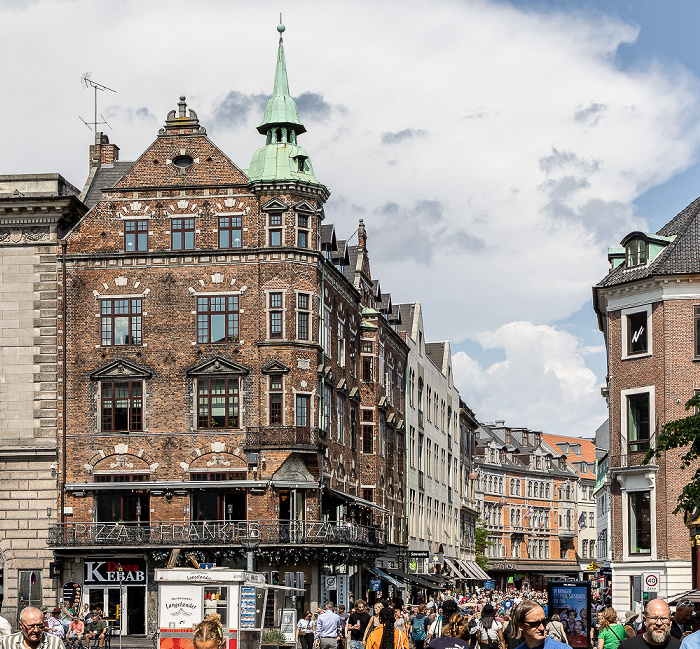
(531, 623)
(76, 630)
(305, 631)
(208, 634)
(385, 636)
(343, 623)
(490, 630)
(610, 634)
(32, 633)
(455, 634)
(5, 627)
(357, 625)
(555, 630)
(374, 622)
(327, 628)
(681, 620)
(657, 623)
(419, 627)
(54, 626)
(630, 617)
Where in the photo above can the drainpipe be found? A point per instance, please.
(64, 390)
(323, 378)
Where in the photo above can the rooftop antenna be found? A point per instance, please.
(89, 83)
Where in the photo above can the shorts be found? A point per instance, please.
(356, 644)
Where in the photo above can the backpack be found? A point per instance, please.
(418, 629)
(554, 632)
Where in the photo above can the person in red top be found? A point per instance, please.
(76, 630)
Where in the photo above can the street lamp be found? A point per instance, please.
(250, 541)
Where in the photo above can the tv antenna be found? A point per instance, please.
(89, 83)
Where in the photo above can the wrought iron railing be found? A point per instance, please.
(284, 436)
(201, 533)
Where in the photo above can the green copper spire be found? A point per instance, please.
(281, 158)
(281, 109)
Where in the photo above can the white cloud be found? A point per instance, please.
(542, 384)
(516, 124)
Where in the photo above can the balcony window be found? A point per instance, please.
(638, 421)
(118, 507)
(217, 403)
(275, 397)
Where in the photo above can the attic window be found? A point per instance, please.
(636, 252)
(183, 161)
(300, 160)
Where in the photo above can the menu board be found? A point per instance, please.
(247, 614)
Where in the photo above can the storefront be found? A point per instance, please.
(117, 585)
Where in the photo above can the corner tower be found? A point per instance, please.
(282, 159)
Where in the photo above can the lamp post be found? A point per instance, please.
(250, 542)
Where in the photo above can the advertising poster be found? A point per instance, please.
(571, 601)
(180, 606)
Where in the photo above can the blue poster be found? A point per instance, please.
(375, 585)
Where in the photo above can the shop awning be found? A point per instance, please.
(466, 568)
(452, 565)
(438, 580)
(478, 571)
(388, 578)
(408, 577)
(355, 499)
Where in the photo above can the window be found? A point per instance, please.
(401, 444)
(341, 345)
(129, 506)
(584, 549)
(182, 234)
(120, 321)
(638, 421)
(275, 315)
(636, 252)
(303, 316)
(327, 332)
(136, 236)
(217, 403)
(636, 333)
(368, 494)
(230, 232)
(367, 431)
(591, 519)
(429, 454)
(302, 232)
(353, 426)
(640, 522)
(341, 419)
(325, 407)
(302, 411)
(275, 399)
(29, 588)
(367, 368)
(696, 315)
(122, 406)
(275, 231)
(217, 319)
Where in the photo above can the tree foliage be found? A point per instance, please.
(681, 433)
(482, 541)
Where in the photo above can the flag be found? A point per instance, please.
(582, 520)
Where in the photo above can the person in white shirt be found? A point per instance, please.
(5, 627)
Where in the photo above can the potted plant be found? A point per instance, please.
(271, 639)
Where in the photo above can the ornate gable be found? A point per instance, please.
(275, 366)
(218, 366)
(121, 369)
(275, 205)
(305, 207)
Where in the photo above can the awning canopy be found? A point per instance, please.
(480, 573)
(468, 569)
(355, 499)
(388, 578)
(453, 567)
(411, 578)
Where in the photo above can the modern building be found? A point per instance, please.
(648, 308)
(233, 381)
(528, 497)
(35, 212)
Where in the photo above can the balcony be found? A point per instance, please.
(285, 437)
(214, 533)
(566, 532)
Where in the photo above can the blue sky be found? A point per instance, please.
(494, 149)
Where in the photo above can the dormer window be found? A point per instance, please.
(636, 252)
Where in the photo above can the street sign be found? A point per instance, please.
(437, 559)
(650, 582)
(418, 554)
(593, 566)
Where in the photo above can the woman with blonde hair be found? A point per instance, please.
(208, 634)
(373, 621)
(610, 634)
(386, 636)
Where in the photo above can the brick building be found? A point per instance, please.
(528, 496)
(231, 374)
(648, 308)
(36, 210)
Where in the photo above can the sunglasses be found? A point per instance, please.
(535, 623)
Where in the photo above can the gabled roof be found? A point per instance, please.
(559, 442)
(680, 256)
(105, 178)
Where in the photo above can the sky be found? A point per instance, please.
(494, 149)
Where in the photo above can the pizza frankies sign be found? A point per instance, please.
(132, 571)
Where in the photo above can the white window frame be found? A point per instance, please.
(624, 329)
(624, 410)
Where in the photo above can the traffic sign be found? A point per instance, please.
(593, 566)
(650, 582)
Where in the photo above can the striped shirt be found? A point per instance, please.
(16, 641)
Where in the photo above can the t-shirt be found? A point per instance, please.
(447, 642)
(488, 634)
(363, 619)
(612, 636)
(305, 626)
(640, 642)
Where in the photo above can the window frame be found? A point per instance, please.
(625, 396)
(303, 315)
(228, 393)
(231, 314)
(227, 225)
(183, 226)
(134, 316)
(275, 228)
(626, 333)
(273, 311)
(131, 416)
(630, 497)
(136, 228)
(275, 399)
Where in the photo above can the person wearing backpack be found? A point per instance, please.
(419, 627)
(490, 630)
(555, 630)
(611, 634)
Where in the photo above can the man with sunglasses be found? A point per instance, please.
(657, 622)
(530, 621)
(31, 634)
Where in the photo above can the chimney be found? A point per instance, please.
(102, 152)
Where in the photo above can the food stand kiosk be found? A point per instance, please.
(187, 596)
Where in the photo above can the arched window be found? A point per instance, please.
(529, 489)
(512, 487)
(541, 490)
(546, 492)
(420, 394)
(500, 485)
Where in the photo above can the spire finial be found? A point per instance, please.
(182, 106)
(280, 27)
